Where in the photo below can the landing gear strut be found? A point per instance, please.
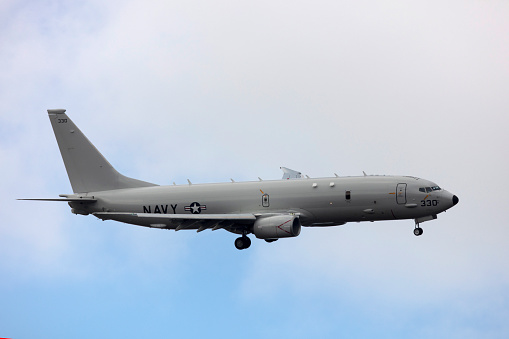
(417, 230)
(242, 242)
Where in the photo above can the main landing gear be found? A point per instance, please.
(417, 230)
(242, 242)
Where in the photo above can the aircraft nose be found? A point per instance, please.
(455, 199)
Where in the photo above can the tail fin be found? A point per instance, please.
(86, 167)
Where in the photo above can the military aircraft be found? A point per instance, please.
(269, 209)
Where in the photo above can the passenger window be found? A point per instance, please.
(347, 195)
(422, 189)
(428, 189)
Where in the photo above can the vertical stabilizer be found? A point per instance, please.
(86, 167)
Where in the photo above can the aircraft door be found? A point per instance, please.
(401, 194)
(265, 200)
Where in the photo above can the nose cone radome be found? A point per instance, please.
(455, 200)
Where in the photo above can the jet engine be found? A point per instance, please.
(277, 226)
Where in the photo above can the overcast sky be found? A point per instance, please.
(213, 90)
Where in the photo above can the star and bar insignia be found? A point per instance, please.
(195, 208)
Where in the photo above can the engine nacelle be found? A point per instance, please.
(277, 226)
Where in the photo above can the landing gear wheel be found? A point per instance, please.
(242, 242)
(418, 231)
(239, 243)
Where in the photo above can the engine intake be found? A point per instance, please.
(278, 226)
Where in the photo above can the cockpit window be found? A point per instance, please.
(429, 189)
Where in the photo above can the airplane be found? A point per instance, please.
(269, 209)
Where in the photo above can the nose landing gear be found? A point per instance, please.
(417, 230)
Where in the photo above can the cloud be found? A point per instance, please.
(381, 272)
(208, 91)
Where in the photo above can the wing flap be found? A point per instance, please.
(179, 221)
(239, 217)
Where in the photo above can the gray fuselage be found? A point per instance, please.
(319, 202)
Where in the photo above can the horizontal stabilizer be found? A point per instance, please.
(86, 200)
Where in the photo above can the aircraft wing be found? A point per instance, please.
(200, 222)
